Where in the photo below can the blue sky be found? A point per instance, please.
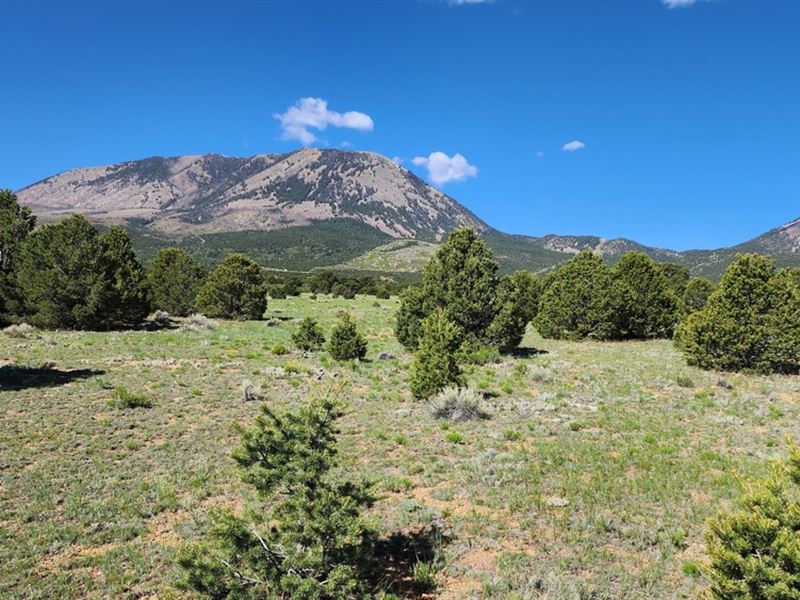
(682, 121)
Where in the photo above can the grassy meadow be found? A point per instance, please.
(592, 478)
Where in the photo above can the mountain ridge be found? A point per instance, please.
(245, 202)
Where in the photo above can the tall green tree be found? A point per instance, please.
(16, 223)
(235, 289)
(644, 305)
(575, 302)
(751, 321)
(435, 367)
(462, 280)
(307, 538)
(518, 300)
(121, 292)
(71, 277)
(174, 278)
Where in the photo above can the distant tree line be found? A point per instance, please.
(751, 321)
(585, 299)
(330, 282)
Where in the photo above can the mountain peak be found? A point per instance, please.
(216, 193)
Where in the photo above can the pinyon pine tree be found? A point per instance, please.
(518, 302)
(121, 293)
(643, 304)
(461, 279)
(435, 366)
(72, 277)
(346, 342)
(751, 321)
(307, 540)
(754, 550)
(309, 335)
(575, 302)
(16, 223)
(234, 290)
(409, 317)
(174, 278)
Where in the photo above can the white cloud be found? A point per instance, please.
(540, 154)
(677, 3)
(444, 169)
(313, 113)
(465, 2)
(573, 146)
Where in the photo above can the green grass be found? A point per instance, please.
(398, 256)
(94, 500)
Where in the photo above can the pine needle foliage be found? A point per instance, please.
(308, 539)
(309, 335)
(346, 342)
(751, 321)
(754, 549)
(235, 289)
(435, 366)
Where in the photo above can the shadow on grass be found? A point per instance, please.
(157, 324)
(20, 377)
(526, 352)
(400, 556)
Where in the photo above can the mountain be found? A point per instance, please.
(782, 243)
(210, 193)
(323, 208)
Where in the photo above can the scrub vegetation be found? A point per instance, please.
(335, 444)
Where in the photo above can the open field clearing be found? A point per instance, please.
(592, 478)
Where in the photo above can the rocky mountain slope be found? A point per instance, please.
(210, 193)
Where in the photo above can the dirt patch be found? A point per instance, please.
(161, 528)
(56, 562)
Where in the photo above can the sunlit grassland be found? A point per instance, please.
(595, 472)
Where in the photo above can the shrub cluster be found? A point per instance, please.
(278, 287)
(750, 322)
(330, 282)
(588, 299)
(337, 284)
